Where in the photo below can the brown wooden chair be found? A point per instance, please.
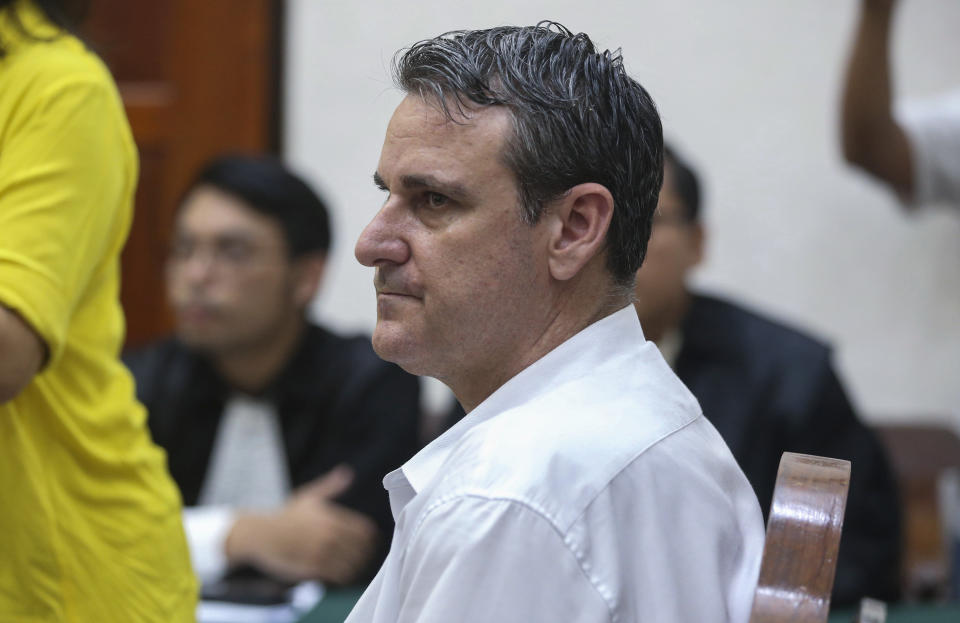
(920, 453)
(803, 538)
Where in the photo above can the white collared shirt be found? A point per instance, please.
(932, 126)
(588, 488)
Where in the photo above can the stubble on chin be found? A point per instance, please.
(387, 340)
(393, 343)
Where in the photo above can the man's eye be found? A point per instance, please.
(235, 251)
(436, 200)
(181, 249)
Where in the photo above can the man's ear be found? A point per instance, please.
(307, 277)
(580, 220)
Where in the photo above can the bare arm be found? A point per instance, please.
(872, 139)
(22, 354)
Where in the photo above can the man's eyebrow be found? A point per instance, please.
(452, 189)
(220, 238)
(235, 236)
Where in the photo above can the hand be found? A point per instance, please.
(309, 538)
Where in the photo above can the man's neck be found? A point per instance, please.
(571, 312)
(252, 368)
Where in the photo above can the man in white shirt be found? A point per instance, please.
(584, 484)
(913, 146)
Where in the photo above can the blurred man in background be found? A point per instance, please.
(913, 147)
(278, 431)
(521, 174)
(766, 387)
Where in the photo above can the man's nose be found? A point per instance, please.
(382, 240)
(197, 268)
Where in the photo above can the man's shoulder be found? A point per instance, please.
(38, 75)
(62, 59)
(746, 367)
(723, 325)
(558, 452)
(163, 367)
(149, 359)
(612, 462)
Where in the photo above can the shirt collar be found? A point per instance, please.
(573, 358)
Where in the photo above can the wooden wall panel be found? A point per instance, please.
(198, 79)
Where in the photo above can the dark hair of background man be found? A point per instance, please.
(685, 183)
(266, 186)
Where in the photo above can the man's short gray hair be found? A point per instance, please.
(577, 117)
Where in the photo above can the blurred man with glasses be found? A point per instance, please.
(766, 388)
(278, 431)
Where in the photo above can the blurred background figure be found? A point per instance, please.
(912, 146)
(90, 519)
(278, 431)
(766, 387)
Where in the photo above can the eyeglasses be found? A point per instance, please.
(228, 253)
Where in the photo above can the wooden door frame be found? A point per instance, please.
(212, 84)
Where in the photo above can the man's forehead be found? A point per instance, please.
(417, 117)
(457, 108)
(425, 148)
(211, 211)
(216, 231)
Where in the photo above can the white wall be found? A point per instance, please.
(748, 89)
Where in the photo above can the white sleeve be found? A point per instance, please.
(476, 560)
(207, 528)
(932, 127)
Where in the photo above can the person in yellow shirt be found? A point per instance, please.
(89, 517)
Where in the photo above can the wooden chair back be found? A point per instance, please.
(803, 538)
(919, 454)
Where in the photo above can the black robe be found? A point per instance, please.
(769, 389)
(337, 402)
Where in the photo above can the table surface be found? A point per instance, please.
(909, 613)
(336, 605)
